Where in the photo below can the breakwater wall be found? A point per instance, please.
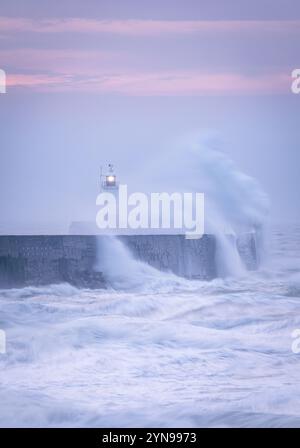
(36, 260)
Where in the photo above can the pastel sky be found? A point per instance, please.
(89, 80)
(195, 52)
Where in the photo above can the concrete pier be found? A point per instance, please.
(37, 260)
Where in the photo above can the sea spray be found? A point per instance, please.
(119, 267)
(234, 202)
(235, 205)
(123, 272)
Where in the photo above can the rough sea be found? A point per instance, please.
(160, 351)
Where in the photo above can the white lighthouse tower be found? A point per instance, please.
(108, 181)
(108, 184)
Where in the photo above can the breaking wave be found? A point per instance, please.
(155, 357)
(235, 203)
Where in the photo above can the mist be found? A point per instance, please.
(52, 147)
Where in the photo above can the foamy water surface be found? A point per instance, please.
(160, 352)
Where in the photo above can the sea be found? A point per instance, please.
(156, 350)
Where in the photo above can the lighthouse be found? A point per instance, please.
(108, 181)
(108, 184)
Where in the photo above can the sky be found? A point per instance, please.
(92, 82)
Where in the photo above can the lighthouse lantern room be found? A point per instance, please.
(109, 180)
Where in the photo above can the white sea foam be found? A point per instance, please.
(235, 203)
(213, 354)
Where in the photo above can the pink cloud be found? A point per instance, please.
(156, 84)
(35, 81)
(72, 62)
(191, 83)
(143, 27)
